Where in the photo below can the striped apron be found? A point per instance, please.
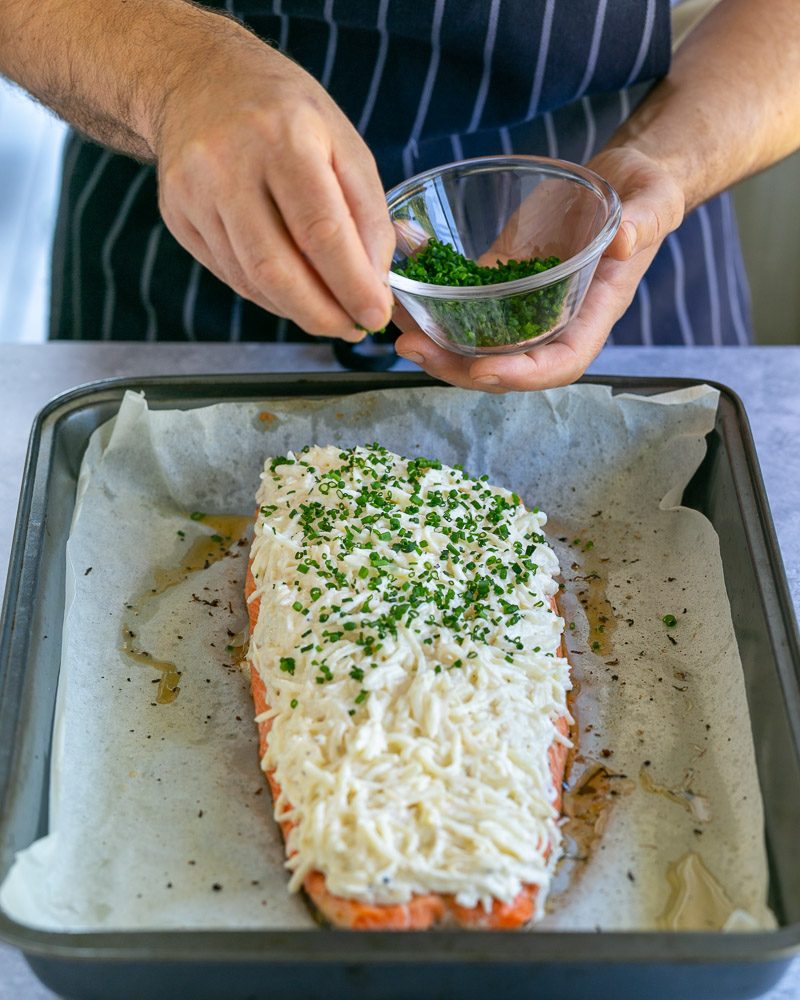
(425, 82)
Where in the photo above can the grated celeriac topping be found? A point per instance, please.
(409, 652)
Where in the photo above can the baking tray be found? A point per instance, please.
(727, 488)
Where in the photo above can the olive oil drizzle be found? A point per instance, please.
(696, 805)
(205, 550)
(587, 806)
(697, 901)
(168, 685)
(238, 646)
(588, 583)
(584, 570)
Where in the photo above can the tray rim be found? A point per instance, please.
(385, 947)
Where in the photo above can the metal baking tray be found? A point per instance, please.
(727, 488)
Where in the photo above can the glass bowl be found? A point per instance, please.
(501, 208)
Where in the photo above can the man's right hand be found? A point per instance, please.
(265, 181)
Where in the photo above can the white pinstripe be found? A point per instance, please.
(277, 10)
(594, 48)
(541, 59)
(552, 138)
(680, 292)
(56, 306)
(505, 141)
(488, 54)
(120, 219)
(591, 129)
(77, 216)
(410, 149)
(644, 45)
(333, 37)
(145, 277)
(377, 73)
(458, 149)
(280, 329)
(738, 260)
(410, 154)
(711, 273)
(235, 327)
(624, 106)
(190, 300)
(729, 236)
(646, 326)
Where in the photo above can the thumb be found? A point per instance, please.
(641, 227)
(653, 202)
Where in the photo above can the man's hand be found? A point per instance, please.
(261, 176)
(729, 107)
(652, 206)
(264, 180)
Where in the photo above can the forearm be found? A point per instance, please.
(730, 105)
(107, 66)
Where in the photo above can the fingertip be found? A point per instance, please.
(413, 357)
(373, 319)
(417, 348)
(382, 315)
(543, 367)
(497, 370)
(630, 234)
(380, 257)
(354, 334)
(623, 246)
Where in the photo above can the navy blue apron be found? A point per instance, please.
(425, 82)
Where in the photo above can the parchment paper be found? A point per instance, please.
(158, 813)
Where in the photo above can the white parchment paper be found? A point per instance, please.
(158, 813)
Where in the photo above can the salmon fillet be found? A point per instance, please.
(422, 911)
(410, 690)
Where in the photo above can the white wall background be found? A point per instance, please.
(768, 207)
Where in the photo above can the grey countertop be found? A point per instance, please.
(766, 378)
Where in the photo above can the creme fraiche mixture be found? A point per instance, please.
(410, 652)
